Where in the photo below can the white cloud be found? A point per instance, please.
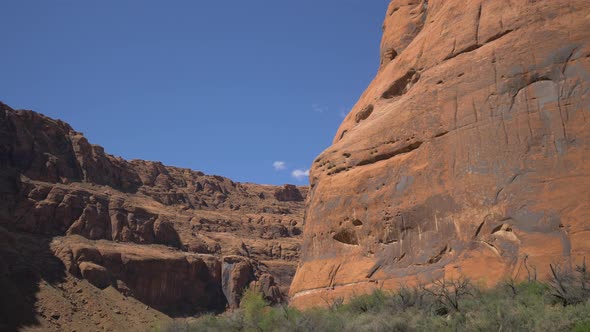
(318, 108)
(279, 165)
(300, 174)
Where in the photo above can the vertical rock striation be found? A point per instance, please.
(467, 154)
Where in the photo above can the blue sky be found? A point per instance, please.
(252, 90)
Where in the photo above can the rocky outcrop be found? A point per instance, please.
(269, 289)
(97, 275)
(237, 273)
(38, 294)
(466, 155)
(104, 210)
(163, 278)
(289, 193)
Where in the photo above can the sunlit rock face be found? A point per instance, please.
(468, 154)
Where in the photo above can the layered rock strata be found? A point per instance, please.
(160, 234)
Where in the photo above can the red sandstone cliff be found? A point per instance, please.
(467, 154)
(177, 240)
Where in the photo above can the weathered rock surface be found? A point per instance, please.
(288, 193)
(55, 184)
(95, 274)
(38, 294)
(268, 287)
(467, 154)
(237, 273)
(168, 280)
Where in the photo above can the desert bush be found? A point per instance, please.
(449, 293)
(511, 306)
(410, 297)
(582, 326)
(254, 308)
(334, 304)
(570, 287)
(381, 321)
(366, 303)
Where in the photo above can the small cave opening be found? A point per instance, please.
(402, 85)
(502, 227)
(364, 113)
(347, 236)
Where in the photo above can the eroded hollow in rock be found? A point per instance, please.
(388, 56)
(342, 135)
(439, 256)
(402, 85)
(364, 113)
(502, 227)
(347, 236)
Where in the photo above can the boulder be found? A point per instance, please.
(95, 274)
(288, 193)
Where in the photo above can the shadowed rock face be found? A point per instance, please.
(467, 154)
(166, 279)
(237, 275)
(175, 227)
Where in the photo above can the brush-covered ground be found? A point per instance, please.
(562, 304)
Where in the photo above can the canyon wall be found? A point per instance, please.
(178, 240)
(468, 154)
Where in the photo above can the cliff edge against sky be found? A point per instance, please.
(468, 154)
(87, 240)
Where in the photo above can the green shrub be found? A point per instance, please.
(527, 306)
(366, 303)
(582, 326)
(253, 306)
